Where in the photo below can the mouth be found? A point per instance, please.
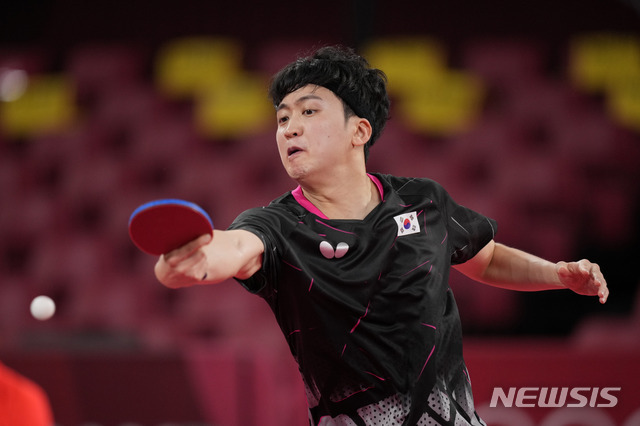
(293, 150)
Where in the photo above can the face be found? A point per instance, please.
(313, 135)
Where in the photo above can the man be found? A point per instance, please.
(355, 265)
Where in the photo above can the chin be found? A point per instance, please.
(296, 176)
(297, 173)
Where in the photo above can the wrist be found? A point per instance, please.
(558, 267)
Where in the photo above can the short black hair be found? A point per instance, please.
(362, 89)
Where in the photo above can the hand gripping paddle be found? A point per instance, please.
(161, 226)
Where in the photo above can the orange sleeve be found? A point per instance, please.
(22, 401)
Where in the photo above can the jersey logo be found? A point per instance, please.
(407, 224)
(329, 252)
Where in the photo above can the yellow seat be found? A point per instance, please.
(443, 106)
(406, 61)
(609, 64)
(623, 102)
(46, 105)
(598, 60)
(184, 67)
(237, 109)
(430, 98)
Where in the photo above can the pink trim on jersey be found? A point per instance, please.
(304, 202)
(378, 185)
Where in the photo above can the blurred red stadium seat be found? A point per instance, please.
(271, 55)
(506, 61)
(98, 68)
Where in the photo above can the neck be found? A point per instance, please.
(352, 198)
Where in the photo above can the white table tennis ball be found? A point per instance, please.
(42, 308)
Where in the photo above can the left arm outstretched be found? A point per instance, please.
(506, 267)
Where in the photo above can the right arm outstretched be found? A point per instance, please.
(210, 260)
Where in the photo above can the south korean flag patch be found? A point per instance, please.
(407, 224)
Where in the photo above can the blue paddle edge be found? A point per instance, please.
(172, 201)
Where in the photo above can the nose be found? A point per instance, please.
(293, 128)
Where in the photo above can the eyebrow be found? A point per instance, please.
(299, 101)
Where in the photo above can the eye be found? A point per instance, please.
(283, 119)
(308, 111)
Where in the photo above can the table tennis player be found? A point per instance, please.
(355, 264)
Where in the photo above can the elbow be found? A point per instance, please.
(478, 267)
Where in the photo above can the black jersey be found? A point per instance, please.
(366, 307)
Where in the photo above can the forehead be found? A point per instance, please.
(310, 91)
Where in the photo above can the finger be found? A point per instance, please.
(579, 270)
(569, 270)
(598, 274)
(603, 292)
(600, 285)
(584, 267)
(186, 250)
(598, 277)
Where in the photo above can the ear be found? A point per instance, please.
(362, 132)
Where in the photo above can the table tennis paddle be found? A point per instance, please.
(160, 226)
